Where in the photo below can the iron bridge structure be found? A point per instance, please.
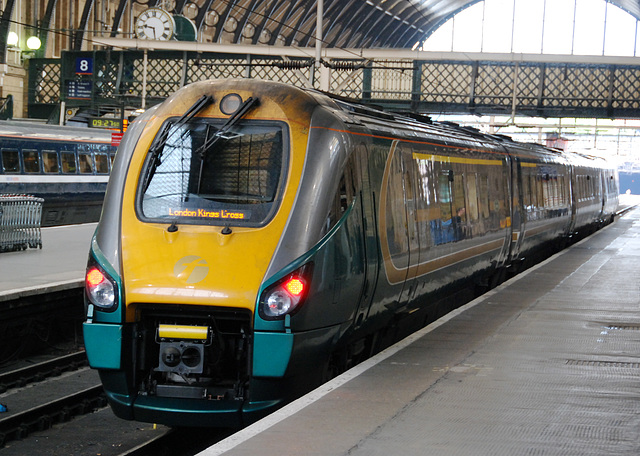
(398, 80)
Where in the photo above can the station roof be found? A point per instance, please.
(347, 23)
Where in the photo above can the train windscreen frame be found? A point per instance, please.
(236, 179)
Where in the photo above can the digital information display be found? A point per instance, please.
(101, 122)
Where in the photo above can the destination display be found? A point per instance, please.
(215, 214)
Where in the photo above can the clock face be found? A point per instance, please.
(155, 24)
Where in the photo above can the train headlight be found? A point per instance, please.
(100, 290)
(286, 295)
(278, 303)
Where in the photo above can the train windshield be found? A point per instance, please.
(234, 180)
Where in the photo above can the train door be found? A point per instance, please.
(603, 193)
(518, 219)
(398, 233)
(411, 199)
(367, 198)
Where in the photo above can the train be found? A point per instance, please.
(257, 239)
(66, 166)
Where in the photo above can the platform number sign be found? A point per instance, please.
(84, 65)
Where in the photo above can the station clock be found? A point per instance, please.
(155, 24)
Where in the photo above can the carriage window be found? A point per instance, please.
(102, 164)
(484, 196)
(533, 190)
(85, 163)
(458, 198)
(200, 176)
(540, 191)
(444, 195)
(68, 162)
(526, 191)
(10, 161)
(31, 161)
(472, 194)
(344, 196)
(50, 162)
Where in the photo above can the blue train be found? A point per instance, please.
(67, 166)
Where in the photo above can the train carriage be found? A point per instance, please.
(258, 238)
(66, 166)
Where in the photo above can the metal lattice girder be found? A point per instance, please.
(44, 81)
(493, 87)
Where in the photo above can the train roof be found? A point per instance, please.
(460, 131)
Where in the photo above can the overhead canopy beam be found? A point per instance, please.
(4, 29)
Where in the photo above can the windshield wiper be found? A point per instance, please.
(222, 132)
(158, 146)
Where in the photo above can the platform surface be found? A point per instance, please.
(546, 364)
(61, 262)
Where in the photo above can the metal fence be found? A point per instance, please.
(20, 218)
(134, 78)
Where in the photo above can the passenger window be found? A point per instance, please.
(344, 197)
(526, 191)
(458, 198)
(545, 193)
(102, 164)
(484, 196)
(50, 162)
(472, 194)
(68, 162)
(10, 161)
(31, 161)
(532, 190)
(444, 194)
(85, 163)
(540, 191)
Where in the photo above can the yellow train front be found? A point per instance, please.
(188, 303)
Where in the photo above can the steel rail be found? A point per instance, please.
(40, 371)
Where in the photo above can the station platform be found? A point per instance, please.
(546, 364)
(59, 265)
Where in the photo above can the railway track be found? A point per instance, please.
(179, 442)
(58, 407)
(40, 395)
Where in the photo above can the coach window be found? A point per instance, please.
(68, 162)
(533, 190)
(50, 162)
(102, 163)
(540, 191)
(10, 161)
(31, 161)
(344, 196)
(444, 194)
(472, 195)
(458, 198)
(484, 196)
(85, 164)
